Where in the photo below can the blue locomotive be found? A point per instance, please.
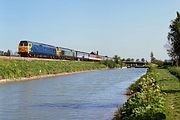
(34, 49)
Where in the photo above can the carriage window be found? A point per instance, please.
(23, 44)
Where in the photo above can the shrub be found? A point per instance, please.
(175, 71)
(109, 63)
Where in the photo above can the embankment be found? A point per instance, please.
(169, 82)
(155, 96)
(146, 102)
(18, 70)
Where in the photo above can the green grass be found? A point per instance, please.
(175, 71)
(11, 69)
(171, 86)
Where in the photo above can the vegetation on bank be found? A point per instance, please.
(11, 69)
(155, 95)
(175, 71)
(170, 85)
(118, 62)
(147, 102)
(110, 63)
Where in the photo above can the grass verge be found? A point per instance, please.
(12, 69)
(171, 86)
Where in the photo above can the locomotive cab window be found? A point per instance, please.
(20, 44)
(23, 43)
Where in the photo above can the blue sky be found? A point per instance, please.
(113, 27)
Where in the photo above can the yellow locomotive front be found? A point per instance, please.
(58, 52)
(23, 48)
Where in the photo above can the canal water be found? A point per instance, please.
(84, 96)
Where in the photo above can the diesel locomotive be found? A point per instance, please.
(35, 49)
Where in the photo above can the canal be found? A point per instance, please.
(84, 96)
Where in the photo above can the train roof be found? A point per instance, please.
(74, 50)
(79, 51)
(67, 48)
(83, 52)
(38, 43)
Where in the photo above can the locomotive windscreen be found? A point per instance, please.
(23, 43)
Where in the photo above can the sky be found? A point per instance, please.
(127, 28)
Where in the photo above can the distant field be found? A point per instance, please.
(12, 69)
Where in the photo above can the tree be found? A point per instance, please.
(109, 63)
(123, 59)
(152, 57)
(1, 52)
(137, 60)
(128, 59)
(8, 53)
(132, 59)
(142, 60)
(117, 59)
(174, 39)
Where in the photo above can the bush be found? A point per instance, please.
(109, 63)
(175, 71)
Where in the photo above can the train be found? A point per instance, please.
(41, 50)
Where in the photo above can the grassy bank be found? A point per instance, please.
(146, 103)
(12, 69)
(155, 96)
(171, 86)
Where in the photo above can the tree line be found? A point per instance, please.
(118, 62)
(8, 53)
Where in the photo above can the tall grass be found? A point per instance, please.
(10, 69)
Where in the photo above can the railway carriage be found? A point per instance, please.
(95, 57)
(68, 54)
(82, 56)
